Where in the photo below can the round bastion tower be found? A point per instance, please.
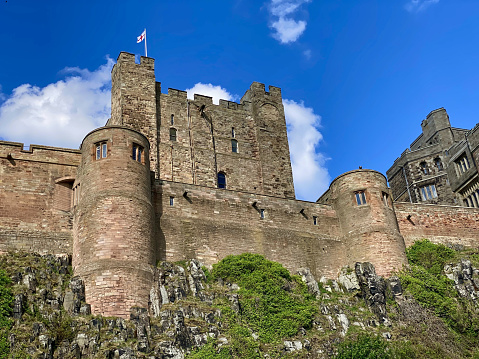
(113, 221)
(368, 221)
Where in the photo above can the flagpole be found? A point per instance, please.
(146, 51)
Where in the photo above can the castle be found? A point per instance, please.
(169, 178)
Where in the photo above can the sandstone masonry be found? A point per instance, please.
(170, 178)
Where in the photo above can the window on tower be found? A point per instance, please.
(101, 150)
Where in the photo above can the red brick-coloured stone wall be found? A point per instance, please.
(31, 218)
(369, 230)
(209, 224)
(439, 224)
(114, 223)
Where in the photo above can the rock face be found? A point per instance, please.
(52, 319)
(466, 279)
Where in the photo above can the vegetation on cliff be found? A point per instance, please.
(249, 307)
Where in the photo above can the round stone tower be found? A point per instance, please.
(367, 219)
(113, 232)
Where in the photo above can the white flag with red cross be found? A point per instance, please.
(141, 37)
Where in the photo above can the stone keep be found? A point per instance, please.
(211, 180)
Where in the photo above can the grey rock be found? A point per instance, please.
(310, 282)
(347, 278)
(19, 304)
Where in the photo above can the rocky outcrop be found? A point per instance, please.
(466, 279)
(52, 319)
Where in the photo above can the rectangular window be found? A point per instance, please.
(360, 197)
(233, 134)
(315, 220)
(462, 164)
(172, 201)
(386, 199)
(234, 146)
(101, 150)
(262, 213)
(428, 192)
(137, 152)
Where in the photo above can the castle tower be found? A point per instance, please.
(113, 231)
(271, 134)
(368, 222)
(134, 99)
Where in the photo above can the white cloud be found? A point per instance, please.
(287, 29)
(217, 92)
(311, 177)
(419, 5)
(61, 113)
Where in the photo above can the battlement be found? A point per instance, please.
(13, 151)
(177, 93)
(129, 58)
(258, 90)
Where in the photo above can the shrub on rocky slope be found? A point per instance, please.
(249, 307)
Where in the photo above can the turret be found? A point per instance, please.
(268, 113)
(368, 222)
(113, 231)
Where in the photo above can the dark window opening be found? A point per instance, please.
(173, 134)
(360, 197)
(424, 168)
(172, 201)
(221, 180)
(172, 122)
(315, 220)
(233, 134)
(386, 199)
(462, 164)
(261, 211)
(438, 163)
(137, 152)
(234, 146)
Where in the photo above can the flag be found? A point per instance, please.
(141, 37)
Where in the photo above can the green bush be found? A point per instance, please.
(363, 347)
(431, 256)
(433, 290)
(273, 303)
(210, 351)
(6, 303)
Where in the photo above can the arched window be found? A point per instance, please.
(172, 134)
(234, 146)
(424, 168)
(221, 180)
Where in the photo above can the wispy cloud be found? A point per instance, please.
(311, 177)
(284, 21)
(61, 113)
(419, 5)
(217, 92)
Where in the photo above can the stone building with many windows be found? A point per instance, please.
(440, 167)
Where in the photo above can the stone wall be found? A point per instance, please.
(114, 222)
(439, 224)
(35, 197)
(209, 224)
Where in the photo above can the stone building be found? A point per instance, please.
(170, 178)
(440, 167)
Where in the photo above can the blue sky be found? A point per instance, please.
(357, 77)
